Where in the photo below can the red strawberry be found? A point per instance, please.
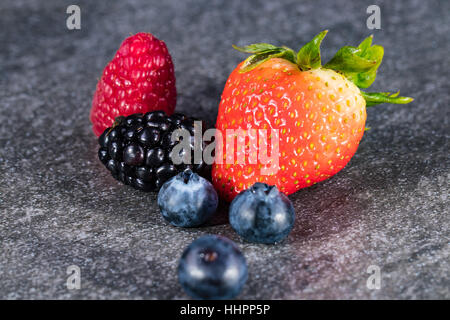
(319, 111)
(140, 78)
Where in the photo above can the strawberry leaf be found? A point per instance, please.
(256, 59)
(366, 43)
(288, 54)
(308, 56)
(263, 52)
(349, 60)
(374, 98)
(255, 48)
(358, 64)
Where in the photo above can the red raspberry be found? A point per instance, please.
(140, 78)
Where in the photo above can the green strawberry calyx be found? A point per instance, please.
(358, 64)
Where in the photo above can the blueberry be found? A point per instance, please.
(212, 267)
(262, 214)
(187, 200)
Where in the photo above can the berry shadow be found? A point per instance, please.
(221, 215)
(325, 209)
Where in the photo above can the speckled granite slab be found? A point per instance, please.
(59, 207)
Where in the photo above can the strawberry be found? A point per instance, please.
(140, 78)
(319, 112)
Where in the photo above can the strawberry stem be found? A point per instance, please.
(358, 64)
(374, 98)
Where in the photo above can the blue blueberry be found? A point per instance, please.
(187, 200)
(262, 214)
(212, 267)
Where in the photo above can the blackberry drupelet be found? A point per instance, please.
(137, 149)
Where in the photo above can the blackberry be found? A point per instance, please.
(137, 150)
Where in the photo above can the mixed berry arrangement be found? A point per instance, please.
(318, 112)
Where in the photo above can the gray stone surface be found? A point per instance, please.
(60, 207)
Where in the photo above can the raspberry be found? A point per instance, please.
(137, 149)
(140, 78)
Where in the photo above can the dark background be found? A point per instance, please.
(60, 207)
